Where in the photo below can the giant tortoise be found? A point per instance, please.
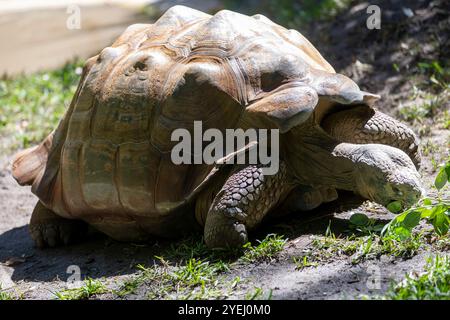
(108, 163)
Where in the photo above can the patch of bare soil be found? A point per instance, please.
(367, 56)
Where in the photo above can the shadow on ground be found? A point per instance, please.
(99, 256)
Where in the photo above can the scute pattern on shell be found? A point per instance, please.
(110, 155)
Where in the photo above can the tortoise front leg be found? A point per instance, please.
(50, 230)
(363, 125)
(246, 197)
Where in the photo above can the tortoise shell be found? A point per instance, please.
(110, 155)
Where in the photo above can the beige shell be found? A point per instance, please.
(110, 155)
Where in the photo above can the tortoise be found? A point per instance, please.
(108, 163)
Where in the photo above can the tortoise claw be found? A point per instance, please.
(49, 230)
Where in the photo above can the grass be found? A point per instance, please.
(429, 100)
(432, 284)
(32, 105)
(258, 293)
(357, 247)
(436, 73)
(429, 148)
(195, 279)
(445, 120)
(194, 247)
(189, 270)
(197, 272)
(5, 295)
(369, 239)
(90, 288)
(303, 262)
(430, 106)
(265, 250)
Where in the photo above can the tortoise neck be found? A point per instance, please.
(342, 167)
(316, 158)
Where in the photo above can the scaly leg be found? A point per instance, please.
(246, 197)
(363, 125)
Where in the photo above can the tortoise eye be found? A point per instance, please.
(140, 65)
(396, 190)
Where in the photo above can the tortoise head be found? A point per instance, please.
(385, 174)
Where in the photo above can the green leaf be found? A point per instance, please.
(425, 213)
(447, 170)
(378, 227)
(441, 179)
(441, 223)
(427, 202)
(411, 220)
(359, 219)
(437, 210)
(402, 232)
(394, 207)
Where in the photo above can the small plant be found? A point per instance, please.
(266, 249)
(439, 76)
(303, 262)
(363, 224)
(5, 295)
(416, 112)
(428, 148)
(433, 284)
(445, 119)
(436, 211)
(90, 288)
(358, 248)
(258, 294)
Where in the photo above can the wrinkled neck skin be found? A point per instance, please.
(317, 159)
(345, 166)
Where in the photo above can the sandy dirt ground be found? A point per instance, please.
(38, 274)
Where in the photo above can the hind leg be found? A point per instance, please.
(305, 198)
(50, 230)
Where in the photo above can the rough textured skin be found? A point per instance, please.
(246, 197)
(108, 162)
(366, 125)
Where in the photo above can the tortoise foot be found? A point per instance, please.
(242, 203)
(49, 230)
